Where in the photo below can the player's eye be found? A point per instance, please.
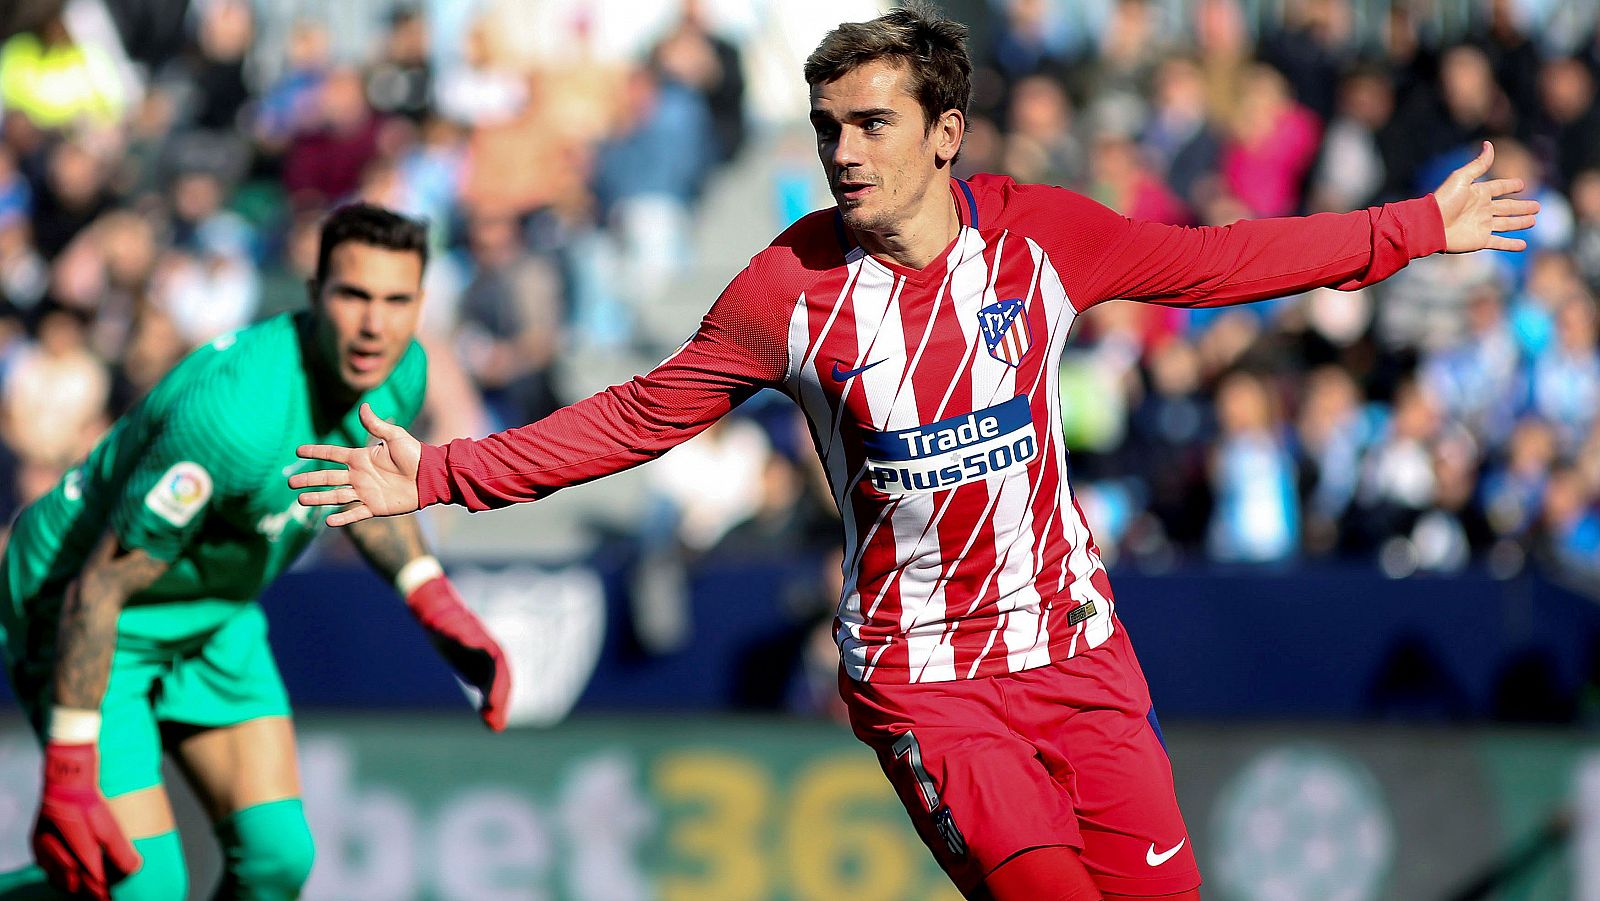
(873, 125)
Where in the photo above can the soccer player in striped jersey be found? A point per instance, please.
(128, 619)
(919, 324)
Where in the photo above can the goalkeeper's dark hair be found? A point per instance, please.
(915, 35)
(367, 223)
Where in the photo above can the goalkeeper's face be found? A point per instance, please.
(367, 311)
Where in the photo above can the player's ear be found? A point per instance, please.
(948, 130)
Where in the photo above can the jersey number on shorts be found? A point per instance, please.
(943, 820)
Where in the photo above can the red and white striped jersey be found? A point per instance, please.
(931, 396)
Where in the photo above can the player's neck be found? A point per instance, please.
(923, 236)
(330, 396)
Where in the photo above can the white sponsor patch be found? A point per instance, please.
(180, 493)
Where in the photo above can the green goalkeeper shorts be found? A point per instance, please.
(223, 677)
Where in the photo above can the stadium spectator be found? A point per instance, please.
(224, 35)
(1020, 47)
(1333, 433)
(400, 81)
(1312, 48)
(74, 192)
(1397, 474)
(23, 272)
(508, 325)
(1478, 380)
(55, 397)
(1272, 141)
(1567, 134)
(1570, 529)
(289, 104)
(1178, 137)
(1512, 492)
(1257, 516)
(694, 55)
(326, 156)
(56, 82)
(1357, 158)
(1585, 194)
(1042, 142)
(1169, 434)
(1566, 374)
(647, 176)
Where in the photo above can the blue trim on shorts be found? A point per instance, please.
(1156, 725)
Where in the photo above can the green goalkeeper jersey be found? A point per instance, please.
(197, 475)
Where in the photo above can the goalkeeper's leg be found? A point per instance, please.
(248, 780)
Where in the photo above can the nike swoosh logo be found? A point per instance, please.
(845, 375)
(1156, 860)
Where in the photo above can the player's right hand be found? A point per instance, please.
(75, 839)
(378, 480)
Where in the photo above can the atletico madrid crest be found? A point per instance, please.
(1005, 330)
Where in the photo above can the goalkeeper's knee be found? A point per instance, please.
(266, 851)
(161, 876)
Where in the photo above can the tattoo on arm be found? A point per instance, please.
(388, 543)
(88, 632)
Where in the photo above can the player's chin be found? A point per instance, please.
(857, 216)
(361, 381)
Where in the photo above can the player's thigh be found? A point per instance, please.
(1115, 769)
(1042, 874)
(225, 716)
(975, 799)
(976, 794)
(235, 767)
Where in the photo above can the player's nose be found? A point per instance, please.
(847, 150)
(372, 319)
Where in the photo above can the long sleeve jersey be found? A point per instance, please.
(931, 397)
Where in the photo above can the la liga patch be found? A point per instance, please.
(180, 493)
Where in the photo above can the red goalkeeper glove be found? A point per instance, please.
(464, 643)
(75, 840)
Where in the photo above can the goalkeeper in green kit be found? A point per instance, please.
(128, 618)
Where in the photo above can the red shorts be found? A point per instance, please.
(1065, 754)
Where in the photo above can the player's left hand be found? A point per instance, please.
(1474, 211)
(466, 645)
(378, 480)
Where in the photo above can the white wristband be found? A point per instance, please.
(414, 574)
(74, 726)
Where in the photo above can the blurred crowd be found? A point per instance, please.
(1445, 418)
(158, 191)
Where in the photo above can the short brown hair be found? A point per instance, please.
(367, 223)
(914, 35)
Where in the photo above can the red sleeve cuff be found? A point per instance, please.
(1423, 225)
(433, 477)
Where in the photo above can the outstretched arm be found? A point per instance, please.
(741, 347)
(1109, 256)
(395, 549)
